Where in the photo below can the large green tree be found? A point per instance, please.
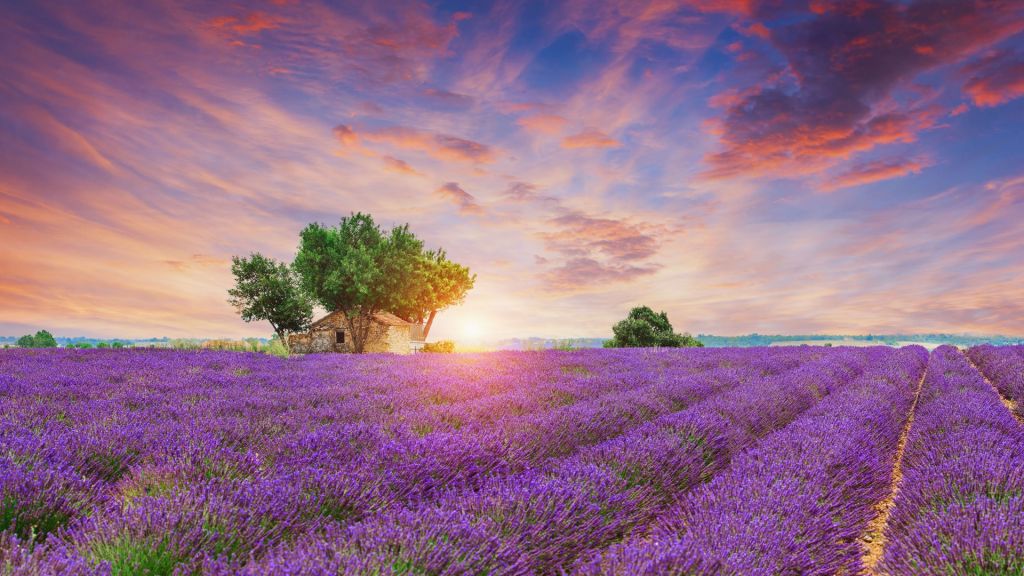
(438, 284)
(359, 269)
(269, 290)
(644, 328)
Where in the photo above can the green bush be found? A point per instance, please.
(644, 328)
(439, 347)
(41, 339)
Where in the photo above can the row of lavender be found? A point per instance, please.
(1004, 367)
(960, 505)
(797, 502)
(211, 459)
(543, 520)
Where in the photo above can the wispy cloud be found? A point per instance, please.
(464, 200)
(593, 155)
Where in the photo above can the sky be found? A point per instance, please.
(744, 165)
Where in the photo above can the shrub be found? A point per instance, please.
(41, 339)
(643, 328)
(441, 347)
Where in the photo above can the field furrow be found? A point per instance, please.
(795, 503)
(1004, 369)
(873, 538)
(960, 502)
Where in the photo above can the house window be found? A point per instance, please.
(339, 336)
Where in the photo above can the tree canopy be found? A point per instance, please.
(356, 268)
(438, 284)
(269, 290)
(644, 328)
(360, 269)
(41, 339)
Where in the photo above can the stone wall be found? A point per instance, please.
(322, 339)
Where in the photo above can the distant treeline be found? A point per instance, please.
(890, 339)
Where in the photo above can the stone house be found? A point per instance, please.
(389, 333)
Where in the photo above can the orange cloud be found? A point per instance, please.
(876, 171)
(346, 135)
(590, 138)
(996, 80)
(441, 146)
(251, 23)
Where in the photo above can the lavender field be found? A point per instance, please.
(802, 460)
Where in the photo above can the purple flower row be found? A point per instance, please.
(798, 500)
(541, 520)
(1004, 367)
(960, 504)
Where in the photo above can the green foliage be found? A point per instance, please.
(360, 269)
(275, 347)
(644, 328)
(44, 339)
(117, 345)
(103, 345)
(126, 555)
(437, 283)
(41, 339)
(269, 290)
(83, 345)
(441, 346)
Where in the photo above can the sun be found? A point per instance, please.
(472, 330)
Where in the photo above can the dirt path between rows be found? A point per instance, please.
(1010, 404)
(873, 539)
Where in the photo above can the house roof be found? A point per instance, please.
(389, 319)
(385, 318)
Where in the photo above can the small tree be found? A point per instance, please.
(437, 284)
(360, 270)
(644, 328)
(269, 290)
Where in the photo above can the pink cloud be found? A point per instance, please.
(400, 166)
(543, 123)
(464, 200)
(590, 138)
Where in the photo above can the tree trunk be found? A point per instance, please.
(359, 326)
(430, 320)
(284, 342)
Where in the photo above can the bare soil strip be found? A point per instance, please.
(1010, 404)
(873, 540)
